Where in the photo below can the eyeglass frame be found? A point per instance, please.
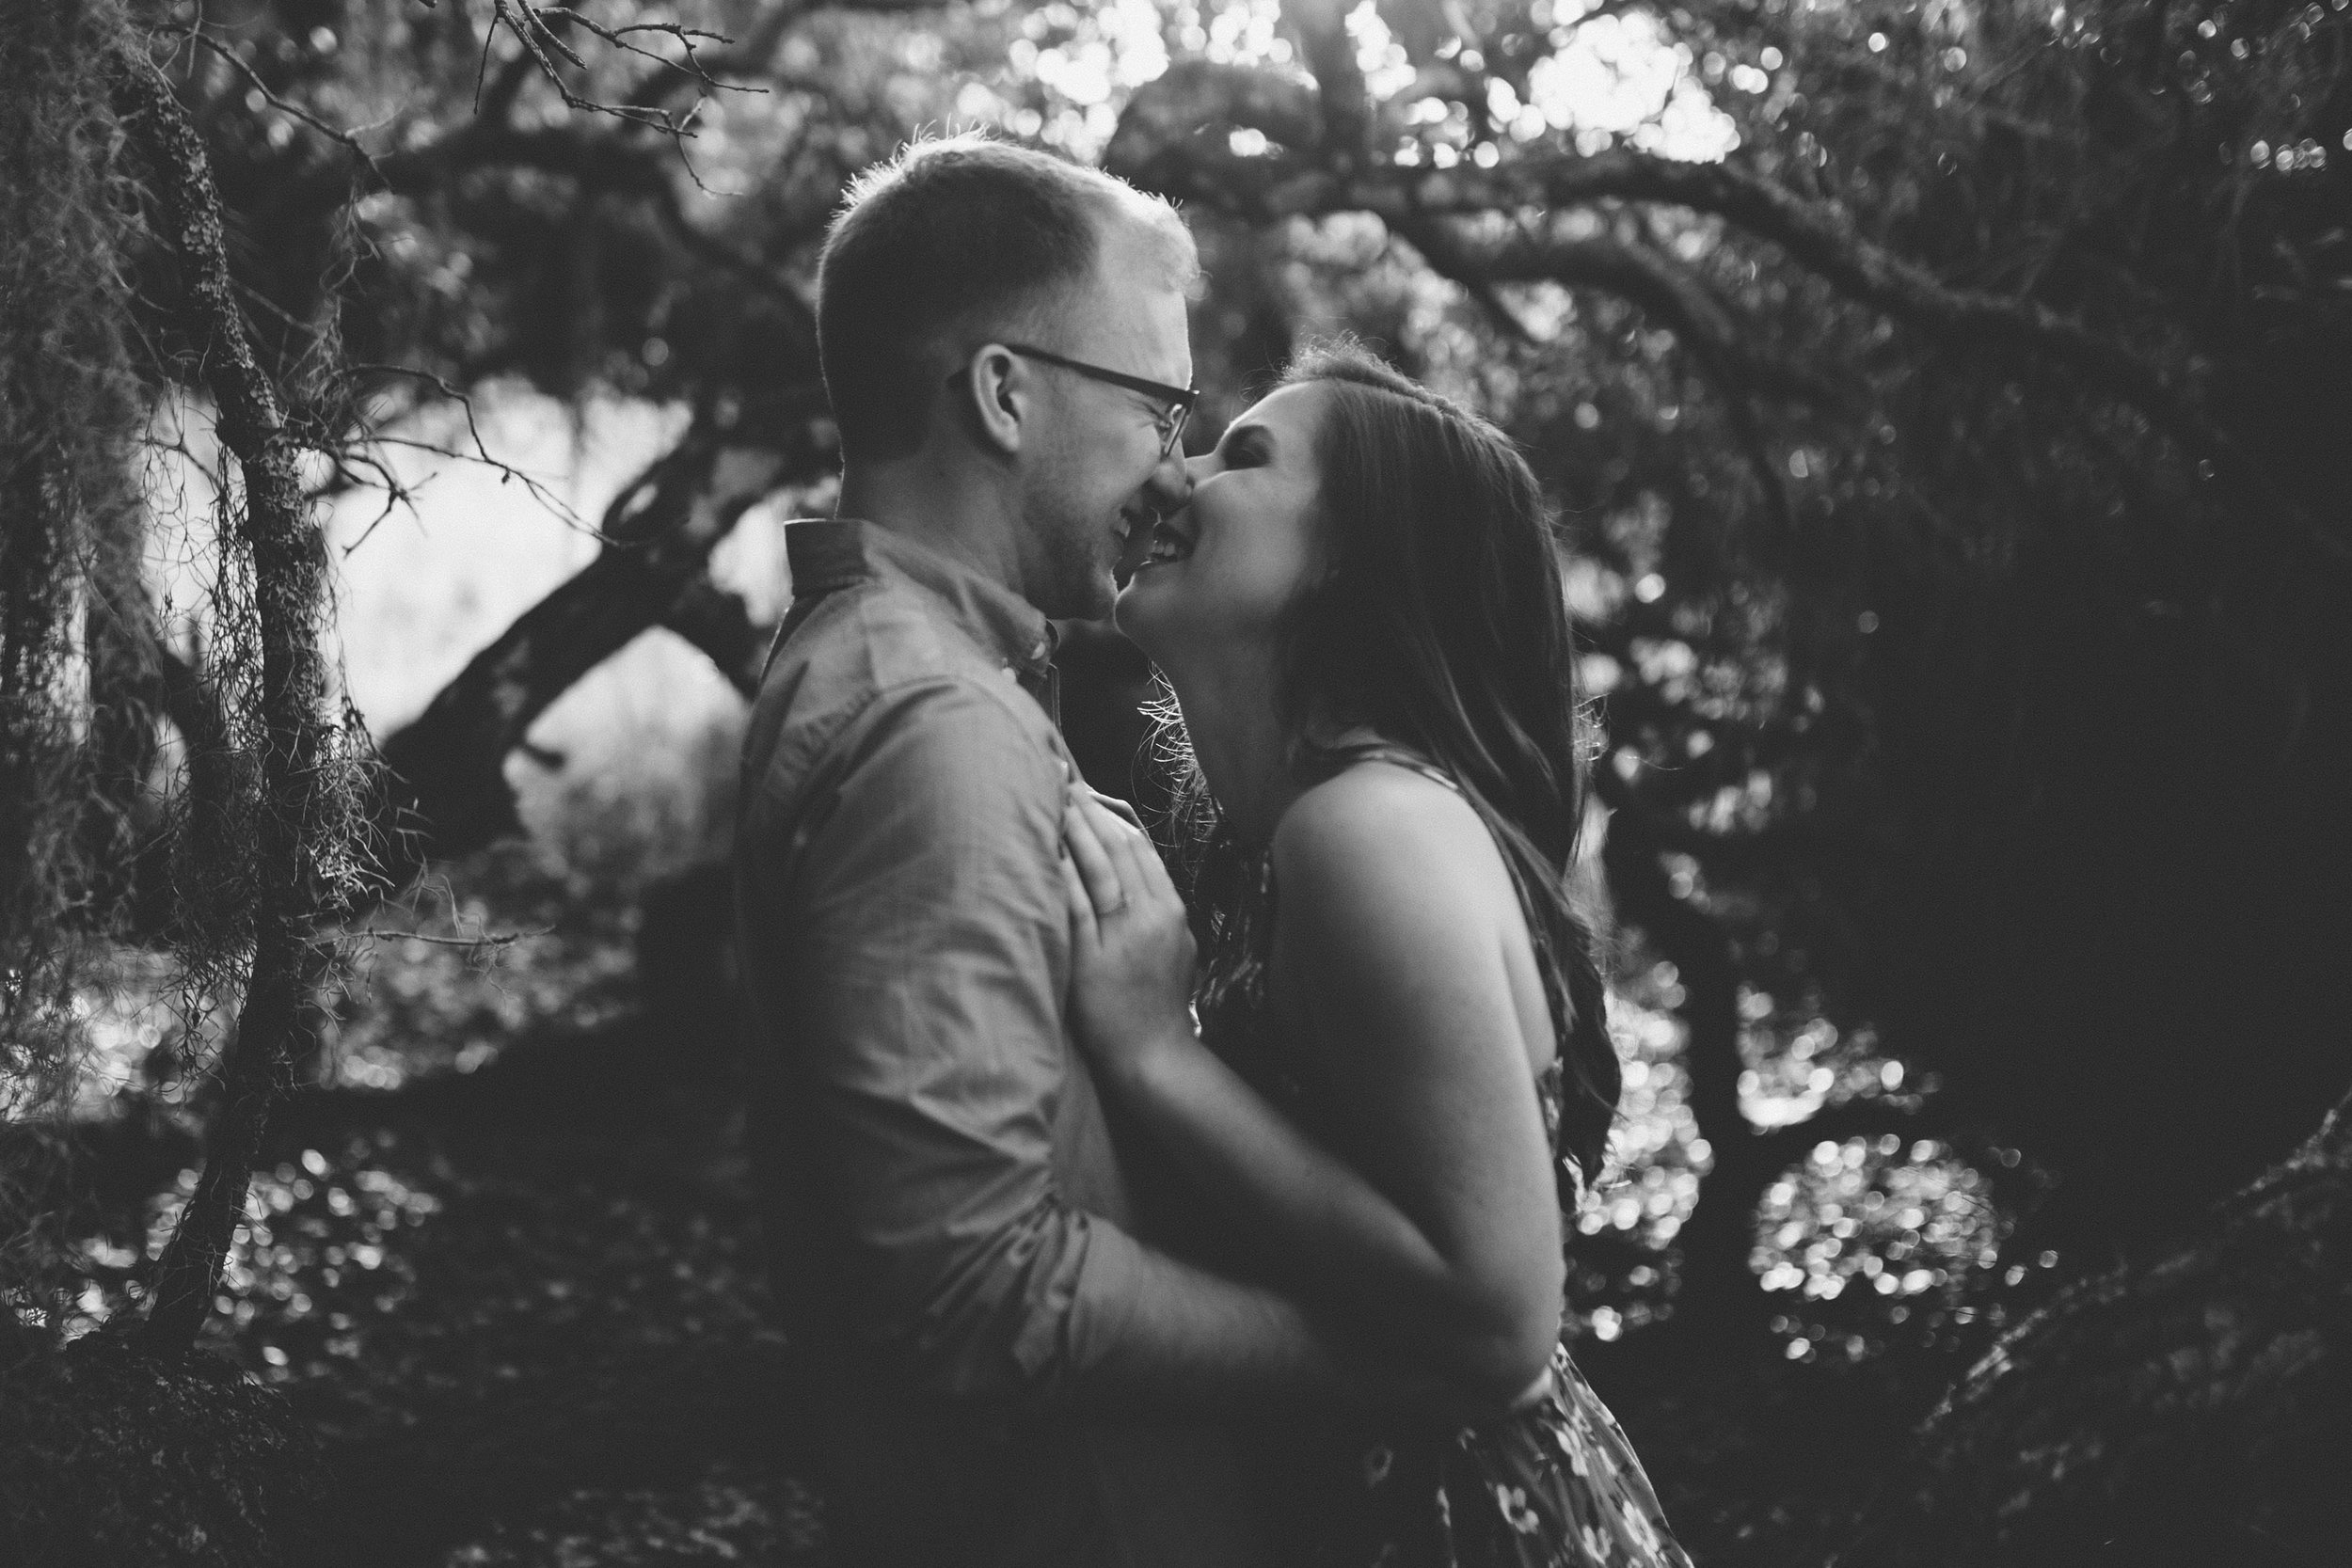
(1180, 400)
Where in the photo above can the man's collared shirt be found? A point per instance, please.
(944, 1205)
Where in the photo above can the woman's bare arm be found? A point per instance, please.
(1443, 1236)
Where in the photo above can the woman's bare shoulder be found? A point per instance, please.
(1381, 842)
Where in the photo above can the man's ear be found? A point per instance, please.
(1000, 393)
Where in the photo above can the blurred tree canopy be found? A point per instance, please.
(1948, 402)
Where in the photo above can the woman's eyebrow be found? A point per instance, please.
(1248, 429)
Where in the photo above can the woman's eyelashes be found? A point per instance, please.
(1244, 449)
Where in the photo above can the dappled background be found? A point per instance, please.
(1947, 408)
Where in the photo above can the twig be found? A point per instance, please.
(493, 941)
(751, 53)
(481, 453)
(396, 493)
(196, 33)
(535, 29)
(506, 472)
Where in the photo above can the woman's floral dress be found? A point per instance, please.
(1556, 1485)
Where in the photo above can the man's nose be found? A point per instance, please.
(1171, 484)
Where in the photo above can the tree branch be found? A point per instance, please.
(1546, 251)
(720, 624)
(539, 29)
(747, 56)
(1158, 144)
(1449, 258)
(449, 762)
(198, 35)
(1151, 143)
(1330, 56)
(1638, 274)
(603, 163)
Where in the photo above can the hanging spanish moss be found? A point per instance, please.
(75, 727)
(120, 302)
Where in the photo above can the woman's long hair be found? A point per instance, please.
(1440, 622)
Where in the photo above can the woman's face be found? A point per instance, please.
(1221, 571)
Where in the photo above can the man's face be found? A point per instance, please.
(1095, 478)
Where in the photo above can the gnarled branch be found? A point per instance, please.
(1546, 251)
(720, 625)
(1160, 144)
(452, 794)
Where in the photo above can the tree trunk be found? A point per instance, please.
(287, 558)
(1721, 1308)
(2192, 1406)
(1718, 1300)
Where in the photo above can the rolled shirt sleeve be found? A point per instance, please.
(926, 936)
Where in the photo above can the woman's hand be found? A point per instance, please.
(1131, 949)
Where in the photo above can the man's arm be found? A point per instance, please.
(920, 924)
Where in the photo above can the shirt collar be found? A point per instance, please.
(831, 552)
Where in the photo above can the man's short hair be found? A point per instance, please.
(953, 241)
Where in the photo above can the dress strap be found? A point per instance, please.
(1401, 756)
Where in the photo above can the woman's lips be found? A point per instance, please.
(1166, 543)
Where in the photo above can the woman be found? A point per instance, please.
(1401, 1072)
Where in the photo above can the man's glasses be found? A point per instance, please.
(1179, 399)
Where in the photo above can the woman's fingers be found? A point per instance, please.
(1117, 807)
(1139, 870)
(1097, 871)
(1140, 873)
(1114, 856)
(1151, 880)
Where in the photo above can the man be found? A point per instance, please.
(999, 1370)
